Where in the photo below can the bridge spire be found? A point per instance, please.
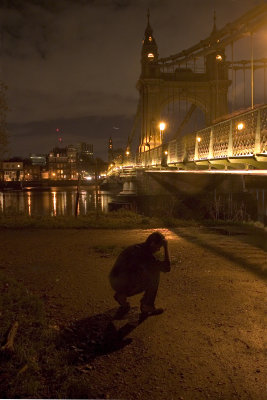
(149, 48)
(214, 30)
(149, 30)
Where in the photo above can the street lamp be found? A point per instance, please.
(162, 127)
(219, 59)
(240, 126)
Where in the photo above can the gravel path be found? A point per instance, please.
(209, 342)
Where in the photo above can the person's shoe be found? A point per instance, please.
(150, 310)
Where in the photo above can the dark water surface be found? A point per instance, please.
(54, 201)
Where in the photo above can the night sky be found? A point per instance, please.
(74, 64)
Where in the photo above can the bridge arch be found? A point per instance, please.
(177, 97)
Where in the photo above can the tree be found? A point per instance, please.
(3, 125)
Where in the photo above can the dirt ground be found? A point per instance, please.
(209, 342)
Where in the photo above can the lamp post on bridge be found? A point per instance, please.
(162, 127)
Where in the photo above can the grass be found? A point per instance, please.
(38, 368)
(122, 219)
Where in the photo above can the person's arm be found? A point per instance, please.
(165, 266)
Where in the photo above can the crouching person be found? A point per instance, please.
(136, 270)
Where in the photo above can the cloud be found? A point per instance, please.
(41, 136)
(91, 47)
(71, 59)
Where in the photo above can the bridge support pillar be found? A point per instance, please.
(129, 188)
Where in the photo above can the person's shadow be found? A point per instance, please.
(97, 335)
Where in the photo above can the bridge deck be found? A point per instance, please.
(239, 142)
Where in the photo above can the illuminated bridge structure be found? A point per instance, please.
(236, 143)
(203, 79)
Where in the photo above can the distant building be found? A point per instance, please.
(72, 154)
(85, 149)
(38, 160)
(62, 163)
(11, 170)
(85, 160)
(31, 172)
(110, 150)
(114, 155)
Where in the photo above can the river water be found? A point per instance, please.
(54, 201)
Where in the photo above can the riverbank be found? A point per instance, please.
(124, 219)
(44, 184)
(209, 342)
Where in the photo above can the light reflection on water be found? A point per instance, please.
(55, 201)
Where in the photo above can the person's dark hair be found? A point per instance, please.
(155, 237)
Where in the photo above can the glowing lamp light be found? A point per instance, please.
(199, 139)
(162, 126)
(150, 38)
(219, 57)
(166, 152)
(150, 55)
(127, 153)
(240, 126)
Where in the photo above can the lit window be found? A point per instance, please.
(150, 55)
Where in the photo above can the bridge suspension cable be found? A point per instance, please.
(251, 21)
(135, 123)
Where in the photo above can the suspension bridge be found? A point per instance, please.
(204, 84)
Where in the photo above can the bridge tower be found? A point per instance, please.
(149, 86)
(157, 87)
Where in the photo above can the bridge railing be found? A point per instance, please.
(240, 136)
